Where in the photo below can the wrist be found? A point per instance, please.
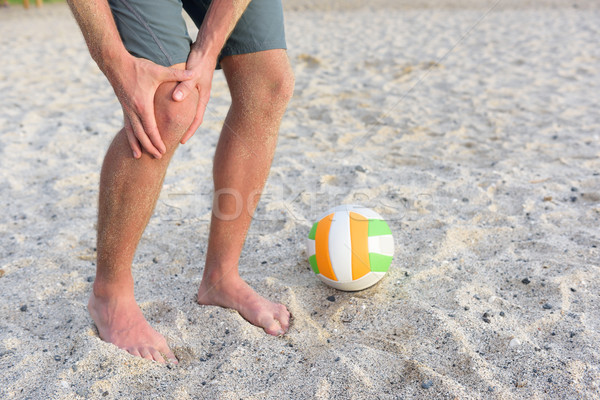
(201, 57)
(206, 48)
(111, 60)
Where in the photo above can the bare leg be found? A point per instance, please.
(129, 189)
(261, 85)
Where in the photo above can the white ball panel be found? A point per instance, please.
(310, 247)
(366, 212)
(340, 249)
(382, 244)
(362, 283)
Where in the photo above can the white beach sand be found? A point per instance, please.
(474, 131)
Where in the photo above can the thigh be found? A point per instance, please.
(260, 28)
(153, 29)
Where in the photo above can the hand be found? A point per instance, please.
(135, 82)
(202, 70)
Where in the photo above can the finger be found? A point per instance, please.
(188, 134)
(157, 356)
(182, 90)
(150, 129)
(195, 123)
(139, 135)
(166, 74)
(133, 142)
(142, 137)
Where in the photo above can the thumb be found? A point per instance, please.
(169, 74)
(182, 90)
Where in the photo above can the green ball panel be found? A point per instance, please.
(378, 227)
(379, 262)
(313, 231)
(313, 263)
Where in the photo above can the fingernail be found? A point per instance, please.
(178, 95)
(188, 73)
(135, 154)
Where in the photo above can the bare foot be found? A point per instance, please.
(233, 292)
(121, 322)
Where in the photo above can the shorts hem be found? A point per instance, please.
(178, 60)
(248, 49)
(253, 48)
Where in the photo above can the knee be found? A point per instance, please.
(269, 94)
(280, 87)
(173, 118)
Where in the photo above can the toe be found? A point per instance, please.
(156, 356)
(134, 352)
(165, 350)
(145, 353)
(285, 325)
(284, 318)
(274, 328)
(171, 357)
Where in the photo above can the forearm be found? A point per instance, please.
(221, 18)
(100, 32)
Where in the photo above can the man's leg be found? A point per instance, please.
(129, 189)
(261, 85)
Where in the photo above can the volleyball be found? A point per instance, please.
(350, 247)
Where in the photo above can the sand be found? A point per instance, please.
(473, 129)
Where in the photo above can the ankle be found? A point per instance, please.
(103, 289)
(217, 275)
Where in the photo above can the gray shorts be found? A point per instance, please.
(155, 29)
